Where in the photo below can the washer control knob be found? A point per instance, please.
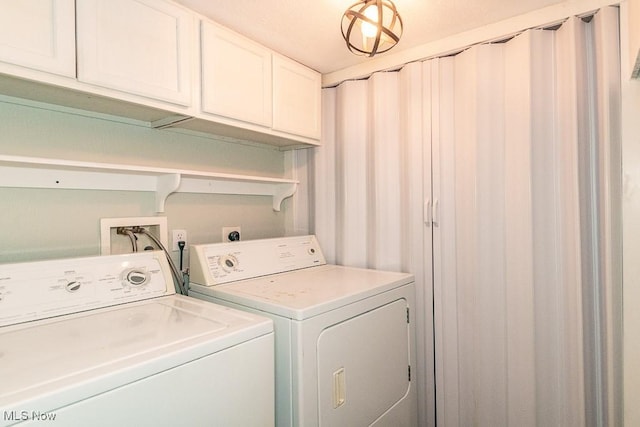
(73, 286)
(136, 278)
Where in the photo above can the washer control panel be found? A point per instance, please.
(220, 263)
(37, 290)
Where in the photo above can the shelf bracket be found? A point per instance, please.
(282, 192)
(166, 185)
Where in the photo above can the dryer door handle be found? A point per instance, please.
(339, 388)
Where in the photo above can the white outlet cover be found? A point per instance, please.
(175, 238)
(106, 224)
(227, 230)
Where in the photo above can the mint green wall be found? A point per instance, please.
(41, 224)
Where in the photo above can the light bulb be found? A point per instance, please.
(370, 30)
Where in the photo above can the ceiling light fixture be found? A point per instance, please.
(379, 25)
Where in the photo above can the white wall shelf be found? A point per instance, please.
(33, 172)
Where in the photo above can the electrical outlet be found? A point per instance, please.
(231, 234)
(178, 236)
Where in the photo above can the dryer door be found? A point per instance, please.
(363, 366)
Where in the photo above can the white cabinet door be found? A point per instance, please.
(142, 47)
(236, 76)
(296, 98)
(39, 34)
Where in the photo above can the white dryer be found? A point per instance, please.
(344, 336)
(104, 341)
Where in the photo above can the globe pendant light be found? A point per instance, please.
(371, 26)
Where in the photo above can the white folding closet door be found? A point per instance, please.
(352, 157)
(470, 238)
(323, 188)
(522, 68)
(519, 190)
(607, 293)
(600, 201)
(415, 226)
(384, 211)
(522, 181)
(444, 245)
(561, 350)
(368, 158)
(369, 184)
(500, 317)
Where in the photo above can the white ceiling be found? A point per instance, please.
(309, 30)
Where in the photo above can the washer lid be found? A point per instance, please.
(302, 294)
(79, 355)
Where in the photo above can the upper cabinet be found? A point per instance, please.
(236, 76)
(146, 60)
(39, 35)
(296, 98)
(142, 47)
(251, 92)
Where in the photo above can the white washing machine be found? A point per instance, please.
(105, 341)
(344, 336)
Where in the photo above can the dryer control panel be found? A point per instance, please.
(42, 289)
(220, 263)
